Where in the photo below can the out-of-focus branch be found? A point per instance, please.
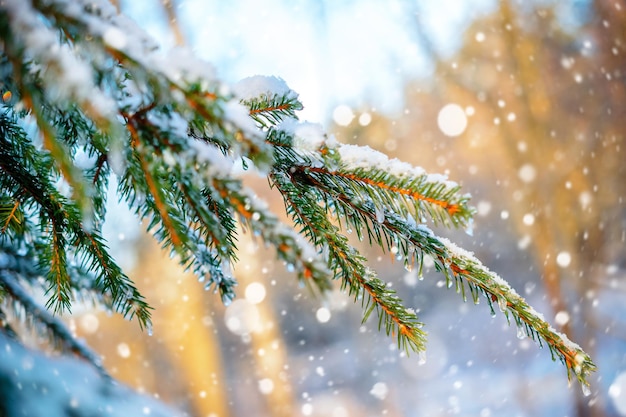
(169, 6)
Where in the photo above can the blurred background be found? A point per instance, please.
(522, 102)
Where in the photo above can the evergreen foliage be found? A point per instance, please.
(87, 98)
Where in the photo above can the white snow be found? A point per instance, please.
(114, 38)
(89, 323)
(66, 76)
(562, 318)
(261, 85)
(239, 115)
(483, 208)
(528, 219)
(356, 157)
(306, 136)
(242, 318)
(365, 119)
(182, 66)
(123, 350)
(216, 163)
(60, 384)
(83, 160)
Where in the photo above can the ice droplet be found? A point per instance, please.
(380, 215)
(502, 303)
(521, 333)
(227, 300)
(586, 389)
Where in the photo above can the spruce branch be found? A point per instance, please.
(62, 230)
(183, 128)
(11, 217)
(268, 99)
(356, 185)
(253, 214)
(269, 110)
(462, 268)
(405, 189)
(349, 265)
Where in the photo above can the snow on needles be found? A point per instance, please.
(306, 136)
(66, 76)
(263, 86)
(364, 157)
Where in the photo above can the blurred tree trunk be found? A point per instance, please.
(169, 6)
(534, 108)
(184, 328)
(267, 345)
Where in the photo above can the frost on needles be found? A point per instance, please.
(88, 96)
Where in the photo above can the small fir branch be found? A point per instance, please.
(390, 183)
(120, 290)
(11, 217)
(54, 255)
(62, 232)
(176, 202)
(461, 267)
(268, 99)
(268, 110)
(253, 214)
(349, 265)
